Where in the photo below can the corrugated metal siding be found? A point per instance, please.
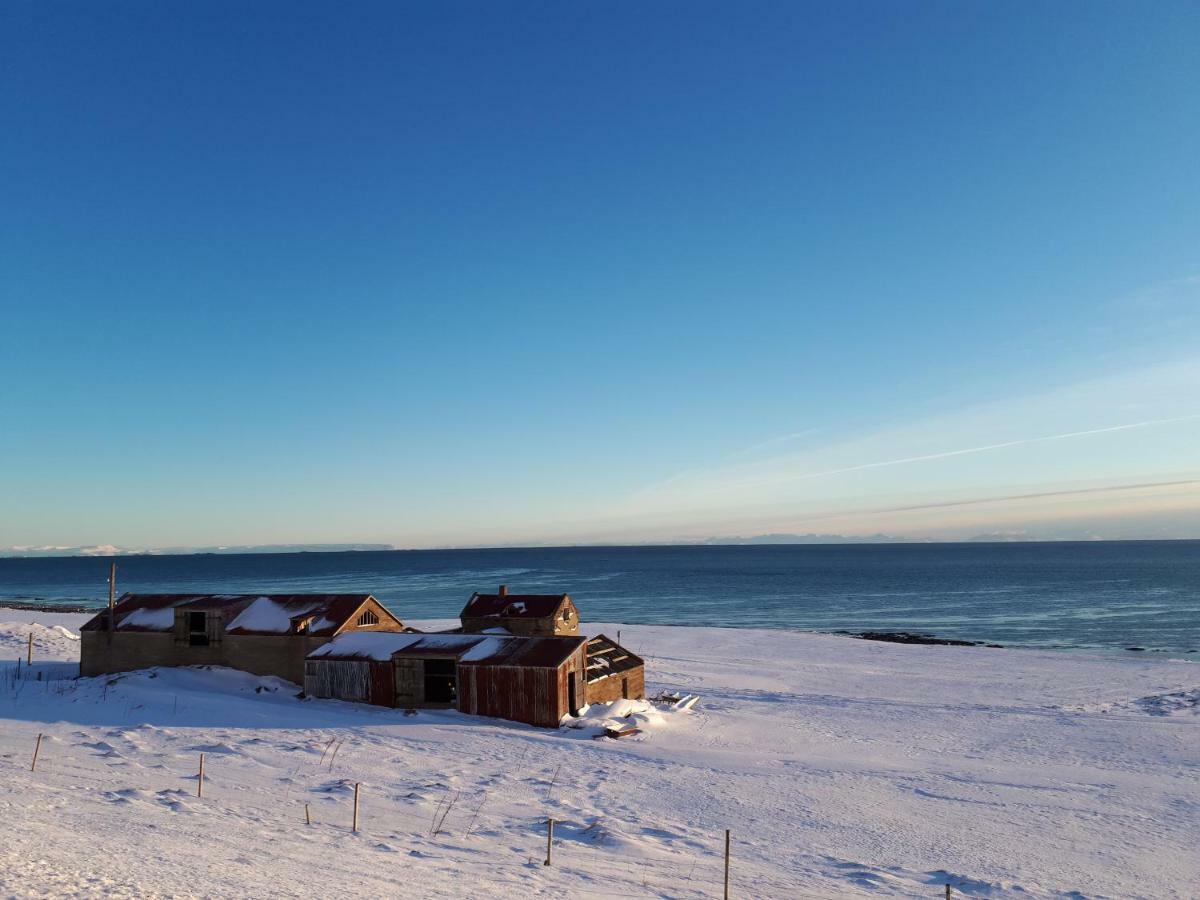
(509, 692)
(360, 681)
(523, 694)
(383, 684)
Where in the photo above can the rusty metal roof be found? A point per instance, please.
(320, 615)
(522, 606)
(468, 649)
(383, 646)
(606, 657)
(529, 652)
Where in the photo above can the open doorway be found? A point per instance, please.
(572, 693)
(197, 629)
(441, 682)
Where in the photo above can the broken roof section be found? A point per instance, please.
(316, 615)
(468, 649)
(522, 606)
(606, 657)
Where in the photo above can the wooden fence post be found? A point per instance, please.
(29, 652)
(726, 864)
(307, 817)
(200, 780)
(947, 890)
(549, 840)
(36, 748)
(356, 787)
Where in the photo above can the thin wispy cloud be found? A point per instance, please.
(1040, 495)
(1118, 442)
(1019, 442)
(776, 442)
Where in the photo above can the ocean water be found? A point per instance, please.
(1110, 595)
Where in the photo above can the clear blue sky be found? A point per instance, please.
(437, 273)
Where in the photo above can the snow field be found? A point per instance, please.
(844, 769)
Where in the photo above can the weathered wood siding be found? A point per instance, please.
(523, 694)
(357, 680)
(611, 688)
(387, 620)
(409, 682)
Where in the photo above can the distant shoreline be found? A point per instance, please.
(710, 544)
(35, 606)
(913, 638)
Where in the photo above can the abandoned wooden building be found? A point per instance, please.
(265, 634)
(531, 614)
(537, 680)
(613, 673)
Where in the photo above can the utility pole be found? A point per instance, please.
(112, 599)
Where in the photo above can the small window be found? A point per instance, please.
(368, 618)
(566, 615)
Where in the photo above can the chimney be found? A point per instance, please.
(504, 590)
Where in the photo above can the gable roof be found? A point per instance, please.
(606, 657)
(520, 606)
(468, 649)
(242, 614)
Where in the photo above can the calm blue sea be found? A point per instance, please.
(1111, 595)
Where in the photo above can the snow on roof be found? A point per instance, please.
(477, 649)
(149, 619)
(532, 606)
(266, 615)
(485, 648)
(530, 652)
(376, 645)
(242, 613)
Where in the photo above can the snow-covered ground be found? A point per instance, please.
(843, 768)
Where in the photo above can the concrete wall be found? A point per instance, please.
(282, 655)
(611, 688)
(410, 683)
(102, 652)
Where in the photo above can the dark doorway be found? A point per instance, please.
(572, 699)
(197, 629)
(441, 683)
(625, 688)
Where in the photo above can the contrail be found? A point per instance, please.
(1017, 443)
(1071, 493)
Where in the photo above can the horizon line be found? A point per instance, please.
(709, 542)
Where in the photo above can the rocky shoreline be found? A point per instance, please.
(40, 606)
(913, 637)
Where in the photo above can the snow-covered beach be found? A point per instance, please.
(842, 768)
